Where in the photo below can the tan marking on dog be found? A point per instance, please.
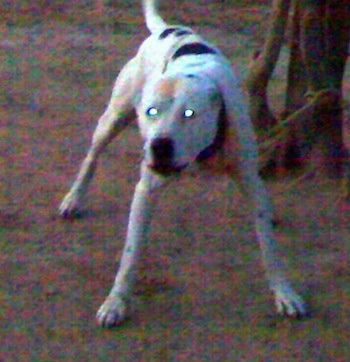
(166, 88)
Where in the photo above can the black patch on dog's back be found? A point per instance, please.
(178, 32)
(182, 32)
(167, 32)
(193, 49)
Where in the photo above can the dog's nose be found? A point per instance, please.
(163, 150)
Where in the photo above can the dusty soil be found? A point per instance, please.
(201, 294)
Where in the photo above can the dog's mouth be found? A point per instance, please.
(162, 157)
(166, 169)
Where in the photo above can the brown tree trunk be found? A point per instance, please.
(338, 52)
(295, 97)
(263, 66)
(321, 46)
(313, 112)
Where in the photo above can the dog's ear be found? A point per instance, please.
(218, 144)
(216, 98)
(239, 136)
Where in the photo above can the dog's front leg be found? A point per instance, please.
(287, 300)
(108, 127)
(119, 113)
(117, 305)
(242, 135)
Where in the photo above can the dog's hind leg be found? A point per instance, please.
(117, 116)
(117, 305)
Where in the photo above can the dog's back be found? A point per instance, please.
(170, 45)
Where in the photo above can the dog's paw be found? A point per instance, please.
(113, 311)
(69, 206)
(288, 302)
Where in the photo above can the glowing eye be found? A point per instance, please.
(188, 113)
(152, 111)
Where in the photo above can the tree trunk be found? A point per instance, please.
(263, 66)
(313, 112)
(295, 98)
(321, 46)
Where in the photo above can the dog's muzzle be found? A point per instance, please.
(163, 152)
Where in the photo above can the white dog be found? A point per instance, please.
(190, 112)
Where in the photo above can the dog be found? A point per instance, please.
(191, 115)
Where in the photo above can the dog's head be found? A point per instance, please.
(179, 121)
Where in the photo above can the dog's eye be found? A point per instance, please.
(188, 113)
(152, 111)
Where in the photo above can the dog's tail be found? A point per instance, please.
(154, 21)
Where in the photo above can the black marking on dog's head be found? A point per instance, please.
(193, 49)
(182, 32)
(167, 32)
(219, 139)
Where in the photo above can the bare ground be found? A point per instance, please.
(201, 294)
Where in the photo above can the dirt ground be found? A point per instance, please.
(201, 294)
